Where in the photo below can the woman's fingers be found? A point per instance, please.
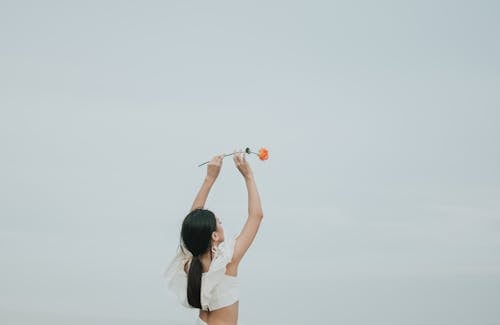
(241, 163)
(239, 157)
(217, 160)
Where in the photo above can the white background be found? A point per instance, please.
(381, 194)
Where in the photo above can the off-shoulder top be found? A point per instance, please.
(217, 288)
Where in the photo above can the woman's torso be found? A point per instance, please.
(227, 315)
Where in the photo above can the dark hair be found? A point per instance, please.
(196, 234)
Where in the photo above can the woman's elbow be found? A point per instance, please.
(259, 215)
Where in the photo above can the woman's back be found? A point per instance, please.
(229, 289)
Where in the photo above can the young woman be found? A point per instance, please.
(204, 272)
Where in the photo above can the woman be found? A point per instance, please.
(204, 272)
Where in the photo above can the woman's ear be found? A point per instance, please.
(215, 236)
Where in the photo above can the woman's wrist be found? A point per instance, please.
(210, 178)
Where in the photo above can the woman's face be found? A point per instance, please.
(220, 229)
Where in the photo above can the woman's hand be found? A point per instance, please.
(214, 166)
(213, 170)
(242, 164)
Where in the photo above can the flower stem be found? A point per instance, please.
(229, 154)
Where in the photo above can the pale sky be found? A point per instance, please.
(381, 195)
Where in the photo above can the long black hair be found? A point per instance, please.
(196, 235)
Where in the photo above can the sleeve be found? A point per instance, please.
(176, 278)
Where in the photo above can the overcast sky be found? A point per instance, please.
(381, 195)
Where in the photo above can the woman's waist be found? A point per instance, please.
(227, 315)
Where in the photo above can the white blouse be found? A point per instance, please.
(217, 288)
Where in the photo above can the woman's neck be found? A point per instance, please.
(206, 259)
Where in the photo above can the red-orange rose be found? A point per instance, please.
(263, 154)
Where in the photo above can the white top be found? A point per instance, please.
(217, 288)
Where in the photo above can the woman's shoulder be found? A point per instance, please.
(223, 255)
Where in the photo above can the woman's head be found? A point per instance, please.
(200, 231)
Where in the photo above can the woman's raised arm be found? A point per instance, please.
(255, 214)
(213, 169)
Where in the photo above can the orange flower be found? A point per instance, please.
(263, 153)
